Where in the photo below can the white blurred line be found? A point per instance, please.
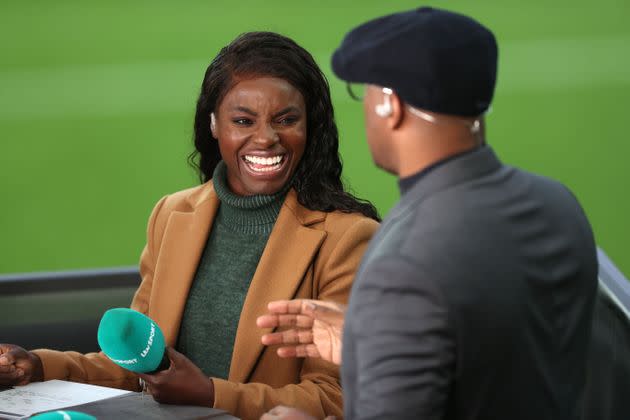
(114, 89)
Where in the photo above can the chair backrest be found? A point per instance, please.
(61, 310)
(607, 393)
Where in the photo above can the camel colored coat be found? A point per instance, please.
(309, 254)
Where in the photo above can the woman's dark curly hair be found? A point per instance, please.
(317, 179)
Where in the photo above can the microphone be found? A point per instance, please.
(132, 340)
(63, 415)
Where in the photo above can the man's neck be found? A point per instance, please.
(415, 157)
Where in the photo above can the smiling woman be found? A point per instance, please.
(261, 129)
(270, 221)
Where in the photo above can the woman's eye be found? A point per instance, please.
(242, 121)
(289, 120)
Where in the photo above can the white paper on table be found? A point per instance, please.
(36, 397)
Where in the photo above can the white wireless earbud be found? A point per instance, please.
(384, 109)
(213, 123)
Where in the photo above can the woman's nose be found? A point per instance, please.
(266, 135)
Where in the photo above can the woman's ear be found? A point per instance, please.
(213, 125)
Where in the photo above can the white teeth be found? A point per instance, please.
(264, 161)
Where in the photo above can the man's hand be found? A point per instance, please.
(316, 328)
(18, 366)
(182, 383)
(288, 413)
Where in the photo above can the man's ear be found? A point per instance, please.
(394, 120)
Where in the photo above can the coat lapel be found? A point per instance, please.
(183, 242)
(288, 254)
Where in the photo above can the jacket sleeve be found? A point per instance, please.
(403, 344)
(96, 368)
(319, 389)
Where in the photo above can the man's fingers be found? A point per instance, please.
(271, 339)
(288, 337)
(276, 320)
(300, 321)
(275, 413)
(301, 350)
(286, 306)
(278, 409)
(330, 315)
(296, 336)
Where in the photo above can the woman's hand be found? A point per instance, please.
(317, 328)
(182, 383)
(18, 366)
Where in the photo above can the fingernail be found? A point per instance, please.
(311, 306)
(19, 372)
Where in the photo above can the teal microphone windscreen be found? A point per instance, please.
(131, 340)
(63, 415)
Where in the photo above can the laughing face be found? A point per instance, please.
(261, 129)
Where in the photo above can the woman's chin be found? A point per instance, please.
(264, 180)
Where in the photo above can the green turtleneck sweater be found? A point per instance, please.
(236, 242)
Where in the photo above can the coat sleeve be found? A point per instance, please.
(319, 389)
(403, 349)
(96, 368)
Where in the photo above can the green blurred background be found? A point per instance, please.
(97, 100)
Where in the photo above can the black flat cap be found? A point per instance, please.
(433, 59)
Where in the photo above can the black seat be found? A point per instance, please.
(607, 393)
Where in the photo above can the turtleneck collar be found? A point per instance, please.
(252, 214)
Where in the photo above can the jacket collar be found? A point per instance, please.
(290, 250)
(206, 194)
(463, 168)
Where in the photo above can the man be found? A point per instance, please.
(474, 300)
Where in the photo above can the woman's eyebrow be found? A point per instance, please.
(245, 110)
(286, 111)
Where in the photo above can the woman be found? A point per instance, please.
(271, 221)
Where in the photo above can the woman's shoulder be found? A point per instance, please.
(186, 199)
(333, 222)
(339, 220)
(347, 227)
(347, 235)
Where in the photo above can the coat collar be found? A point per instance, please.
(452, 172)
(206, 195)
(290, 249)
